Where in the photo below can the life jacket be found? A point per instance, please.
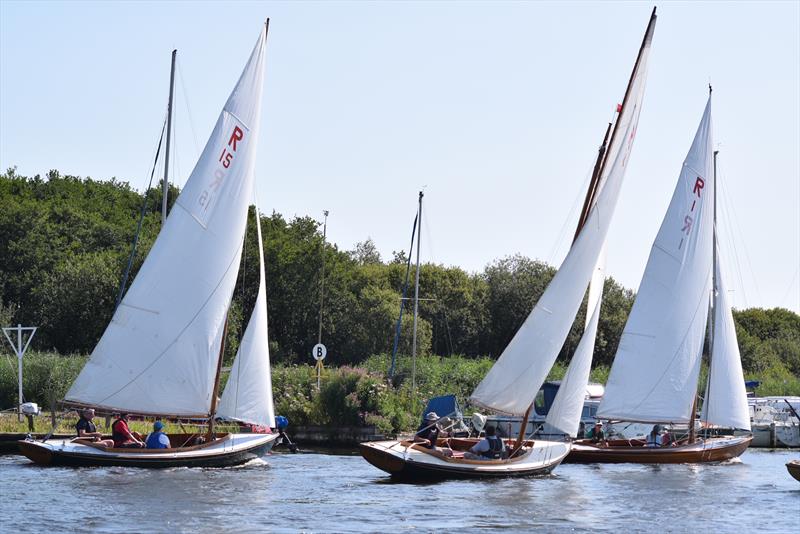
(495, 448)
(653, 440)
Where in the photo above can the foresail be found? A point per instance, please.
(655, 370)
(159, 353)
(565, 413)
(513, 381)
(726, 396)
(248, 393)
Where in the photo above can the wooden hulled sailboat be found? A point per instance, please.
(161, 354)
(513, 382)
(657, 365)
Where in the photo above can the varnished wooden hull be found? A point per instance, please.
(794, 469)
(406, 461)
(717, 449)
(233, 449)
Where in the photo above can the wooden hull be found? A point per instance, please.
(794, 469)
(406, 461)
(717, 449)
(229, 450)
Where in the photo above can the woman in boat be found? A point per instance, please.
(122, 435)
(87, 429)
(654, 437)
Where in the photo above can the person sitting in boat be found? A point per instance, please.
(654, 437)
(491, 447)
(157, 439)
(429, 431)
(122, 435)
(87, 429)
(596, 434)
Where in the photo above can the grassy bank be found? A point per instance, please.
(352, 396)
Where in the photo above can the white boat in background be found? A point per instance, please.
(161, 354)
(775, 421)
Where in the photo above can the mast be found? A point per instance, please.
(215, 391)
(322, 277)
(165, 185)
(416, 305)
(592, 191)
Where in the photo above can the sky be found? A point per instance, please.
(495, 109)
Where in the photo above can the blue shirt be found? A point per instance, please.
(157, 440)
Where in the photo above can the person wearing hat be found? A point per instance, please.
(157, 439)
(428, 431)
(596, 434)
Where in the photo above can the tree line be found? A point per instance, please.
(65, 242)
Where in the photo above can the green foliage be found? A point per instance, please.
(46, 377)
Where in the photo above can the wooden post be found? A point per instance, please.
(30, 423)
(53, 412)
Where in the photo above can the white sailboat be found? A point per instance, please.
(161, 354)
(512, 383)
(657, 365)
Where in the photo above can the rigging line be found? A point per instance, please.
(188, 111)
(789, 289)
(744, 244)
(180, 333)
(142, 212)
(559, 241)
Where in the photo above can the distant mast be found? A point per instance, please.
(165, 184)
(416, 306)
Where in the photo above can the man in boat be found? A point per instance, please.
(122, 435)
(157, 439)
(429, 431)
(596, 434)
(87, 429)
(491, 447)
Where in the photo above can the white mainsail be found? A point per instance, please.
(565, 412)
(248, 393)
(726, 396)
(513, 381)
(655, 370)
(159, 354)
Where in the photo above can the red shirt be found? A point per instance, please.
(120, 432)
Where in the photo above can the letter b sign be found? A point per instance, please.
(319, 352)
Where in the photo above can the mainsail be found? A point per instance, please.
(655, 370)
(565, 413)
(159, 354)
(726, 396)
(248, 393)
(513, 381)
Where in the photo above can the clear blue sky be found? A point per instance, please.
(497, 109)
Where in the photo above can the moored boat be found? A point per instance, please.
(794, 469)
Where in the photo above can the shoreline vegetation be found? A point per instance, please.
(65, 242)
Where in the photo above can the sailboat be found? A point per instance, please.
(161, 354)
(656, 368)
(511, 385)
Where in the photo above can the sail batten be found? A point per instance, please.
(657, 364)
(159, 353)
(513, 381)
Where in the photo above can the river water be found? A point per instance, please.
(319, 492)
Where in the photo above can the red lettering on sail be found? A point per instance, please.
(236, 136)
(687, 224)
(698, 185)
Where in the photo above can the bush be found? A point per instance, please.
(46, 377)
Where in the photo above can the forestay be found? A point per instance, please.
(655, 370)
(159, 354)
(248, 393)
(565, 413)
(726, 397)
(513, 381)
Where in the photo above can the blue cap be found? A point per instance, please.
(158, 425)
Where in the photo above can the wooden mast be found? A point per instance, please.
(215, 391)
(596, 174)
(165, 184)
(416, 307)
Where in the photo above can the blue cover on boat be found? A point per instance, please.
(443, 406)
